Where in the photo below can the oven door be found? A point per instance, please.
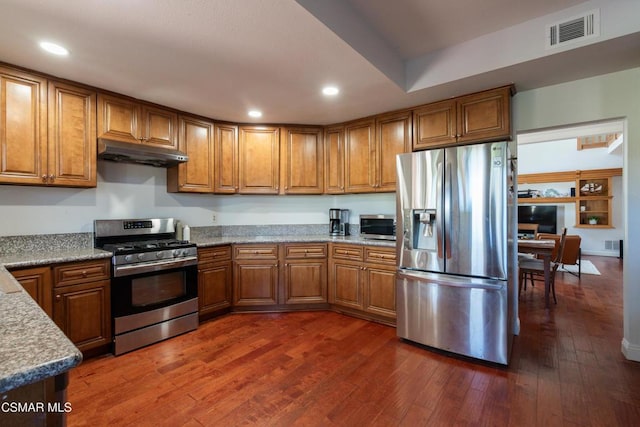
(150, 291)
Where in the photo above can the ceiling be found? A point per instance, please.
(220, 58)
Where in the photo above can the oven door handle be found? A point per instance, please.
(128, 270)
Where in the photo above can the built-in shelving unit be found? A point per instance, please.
(593, 198)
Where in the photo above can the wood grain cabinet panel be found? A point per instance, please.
(80, 272)
(393, 133)
(255, 274)
(334, 160)
(360, 155)
(302, 160)
(304, 278)
(37, 283)
(127, 120)
(196, 175)
(225, 159)
(83, 313)
(72, 136)
(479, 117)
(215, 279)
(118, 118)
(259, 160)
(363, 280)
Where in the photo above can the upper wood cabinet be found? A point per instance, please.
(127, 120)
(302, 160)
(46, 140)
(225, 158)
(195, 138)
(482, 116)
(259, 159)
(393, 133)
(23, 128)
(334, 160)
(359, 156)
(72, 136)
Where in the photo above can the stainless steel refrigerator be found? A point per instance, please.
(457, 261)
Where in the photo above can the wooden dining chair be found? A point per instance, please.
(534, 268)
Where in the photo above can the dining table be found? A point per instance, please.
(543, 248)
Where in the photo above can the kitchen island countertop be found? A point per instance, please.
(32, 347)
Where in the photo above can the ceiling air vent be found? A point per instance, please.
(574, 29)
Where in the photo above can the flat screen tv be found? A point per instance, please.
(543, 215)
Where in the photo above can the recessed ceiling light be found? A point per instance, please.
(56, 49)
(330, 90)
(255, 113)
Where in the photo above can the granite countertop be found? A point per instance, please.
(204, 241)
(32, 347)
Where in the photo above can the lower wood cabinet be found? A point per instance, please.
(37, 283)
(214, 280)
(77, 296)
(82, 302)
(83, 312)
(255, 275)
(362, 279)
(304, 277)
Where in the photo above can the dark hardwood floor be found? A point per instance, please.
(323, 368)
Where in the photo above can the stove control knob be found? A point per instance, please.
(127, 258)
(177, 253)
(158, 255)
(140, 257)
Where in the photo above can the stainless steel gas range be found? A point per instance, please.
(154, 280)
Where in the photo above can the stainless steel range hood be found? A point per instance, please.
(127, 152)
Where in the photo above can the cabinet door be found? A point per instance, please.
(255, 283)
(72, 135)
(259, 156)
(83, 313)
(434, 125)
(334, 160)
(302, 152)
(37, 283)
(380, 290)
(305, 281)
(485, 116)
(394, 137)
(225, 159)
(160, 127)
(118, 119)
(23, 128)
(196, 175)
(214, 287)
(345, 284)
(360, 152)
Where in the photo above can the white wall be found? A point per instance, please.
(562, 155)
(137, 191)
(605, 97)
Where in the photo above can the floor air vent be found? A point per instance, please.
(574, 29)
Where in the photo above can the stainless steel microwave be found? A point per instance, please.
(378, 227)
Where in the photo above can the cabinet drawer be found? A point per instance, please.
(297, 251)
(354, 252)
(218, 253)
(256, 252)
(378, 255)
(80, 272)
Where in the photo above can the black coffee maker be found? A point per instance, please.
(338, 222)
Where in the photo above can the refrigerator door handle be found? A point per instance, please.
(447, 207)
(438, 212)
(450, 280)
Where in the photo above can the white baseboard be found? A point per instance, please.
(630, 351)
(614, 254)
